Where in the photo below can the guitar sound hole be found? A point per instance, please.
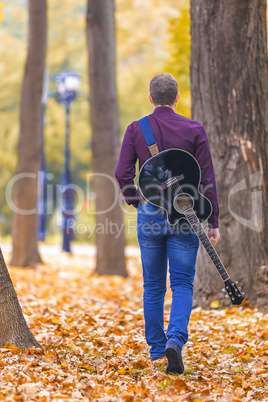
(183, 202)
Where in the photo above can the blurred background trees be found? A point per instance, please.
(105, 134)
(24, 226)
(228, 95)
(147, 36)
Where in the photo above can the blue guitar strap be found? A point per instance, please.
(148, 135)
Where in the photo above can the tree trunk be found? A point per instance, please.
(13, 327)
(229, 97)
(105, 133)
(24, 226)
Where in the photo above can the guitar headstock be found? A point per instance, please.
(233, 292)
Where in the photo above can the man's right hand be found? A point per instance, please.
(214, 236)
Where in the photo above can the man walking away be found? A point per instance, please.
(160, 242)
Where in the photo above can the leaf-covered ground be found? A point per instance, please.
(92, 332)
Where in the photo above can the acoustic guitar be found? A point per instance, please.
(171, 180)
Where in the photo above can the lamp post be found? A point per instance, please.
(68, 83)
(42, 179)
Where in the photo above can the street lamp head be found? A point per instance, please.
(72, 82)
(68, 83)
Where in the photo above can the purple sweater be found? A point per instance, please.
(177, 132)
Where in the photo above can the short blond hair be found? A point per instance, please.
(163, 89)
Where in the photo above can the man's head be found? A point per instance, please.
(163, 90)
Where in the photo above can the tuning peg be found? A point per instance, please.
(242, 293)
(223, 290)
(227, 297)
(229, 302)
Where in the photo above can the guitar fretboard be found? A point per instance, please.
(201, 234)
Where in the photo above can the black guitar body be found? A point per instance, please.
(170, 180)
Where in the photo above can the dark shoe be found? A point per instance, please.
(175, 363)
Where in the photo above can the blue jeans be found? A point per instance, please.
(159, 242)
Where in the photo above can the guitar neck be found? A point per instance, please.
(201, 234)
